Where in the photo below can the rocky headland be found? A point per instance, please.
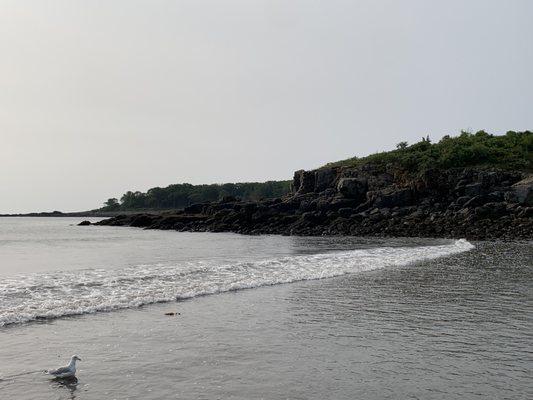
(370, 200)
(475, 186)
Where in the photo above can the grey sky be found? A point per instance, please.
(100, 97)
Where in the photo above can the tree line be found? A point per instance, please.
(181, 195)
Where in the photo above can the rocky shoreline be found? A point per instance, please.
(370, 200)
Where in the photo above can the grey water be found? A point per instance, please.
(328, 317)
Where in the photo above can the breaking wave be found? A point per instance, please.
(51, 295)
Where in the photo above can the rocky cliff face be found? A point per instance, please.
(371, 200)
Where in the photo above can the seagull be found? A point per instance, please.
(66, 372)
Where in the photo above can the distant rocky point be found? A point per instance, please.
(37, 214)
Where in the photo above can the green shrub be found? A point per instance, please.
(510, 151)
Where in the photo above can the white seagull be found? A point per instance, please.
(68, 371)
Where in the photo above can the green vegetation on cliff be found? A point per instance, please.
(184, 194)
(511, 151)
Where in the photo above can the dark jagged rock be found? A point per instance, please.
(324, 179)
(392, 197)
(523, 191)
(143, 220)
(304, 181)
(366, 200)
(353, 188)
(84, 223)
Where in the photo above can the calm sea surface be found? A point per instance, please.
(322, 318)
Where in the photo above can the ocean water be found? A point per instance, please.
(337, 318)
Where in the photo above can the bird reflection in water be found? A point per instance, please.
(71, 384)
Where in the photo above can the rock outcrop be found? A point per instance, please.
(522, 192)
(473, 203)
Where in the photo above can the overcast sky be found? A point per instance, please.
(101, 97)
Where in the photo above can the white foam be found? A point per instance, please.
(51, 295)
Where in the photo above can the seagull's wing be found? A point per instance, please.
(59, 371)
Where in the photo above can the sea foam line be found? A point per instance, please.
(53, 295)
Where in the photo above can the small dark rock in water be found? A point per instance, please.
(84, 223)
(172, 313)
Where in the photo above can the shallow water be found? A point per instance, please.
(394, 324)
(53, 268)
